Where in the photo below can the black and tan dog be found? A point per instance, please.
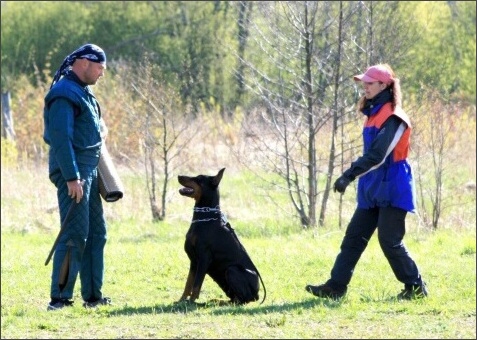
(213, 247)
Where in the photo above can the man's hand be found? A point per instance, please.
(75, 189)
(341, 184)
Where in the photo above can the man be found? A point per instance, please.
(72, 123)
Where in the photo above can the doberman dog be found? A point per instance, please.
(213, 247)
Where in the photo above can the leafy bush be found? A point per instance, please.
(9, 153)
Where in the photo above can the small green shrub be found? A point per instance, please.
(9, 153)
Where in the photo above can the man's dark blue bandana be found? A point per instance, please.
(89, 51)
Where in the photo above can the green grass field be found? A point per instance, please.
(146, 269)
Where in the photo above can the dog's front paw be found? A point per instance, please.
(188, 302)
(182, 299)
(185, 298)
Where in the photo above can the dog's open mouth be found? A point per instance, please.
(190, 188)
(186, 191)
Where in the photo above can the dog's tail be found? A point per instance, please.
(227, 224)
(263, 285)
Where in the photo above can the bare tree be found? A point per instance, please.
(8, 132)
(243, 22)
(292, 77)
(161, 120)
(337, 112)
(436, 137)
(302, 76)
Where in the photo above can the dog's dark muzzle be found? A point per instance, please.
(186, 191)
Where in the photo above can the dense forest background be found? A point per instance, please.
(202, 47)
(266, 83)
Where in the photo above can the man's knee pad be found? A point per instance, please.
(78, 242)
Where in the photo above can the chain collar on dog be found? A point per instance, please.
(215, 210)
(207, 209)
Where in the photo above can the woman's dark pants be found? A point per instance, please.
(390, 223)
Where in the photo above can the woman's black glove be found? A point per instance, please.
(341, 183)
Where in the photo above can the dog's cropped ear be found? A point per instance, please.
(218, 177)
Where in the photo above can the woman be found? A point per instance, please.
(385, 188)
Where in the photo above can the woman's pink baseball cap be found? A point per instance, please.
(376, 73)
